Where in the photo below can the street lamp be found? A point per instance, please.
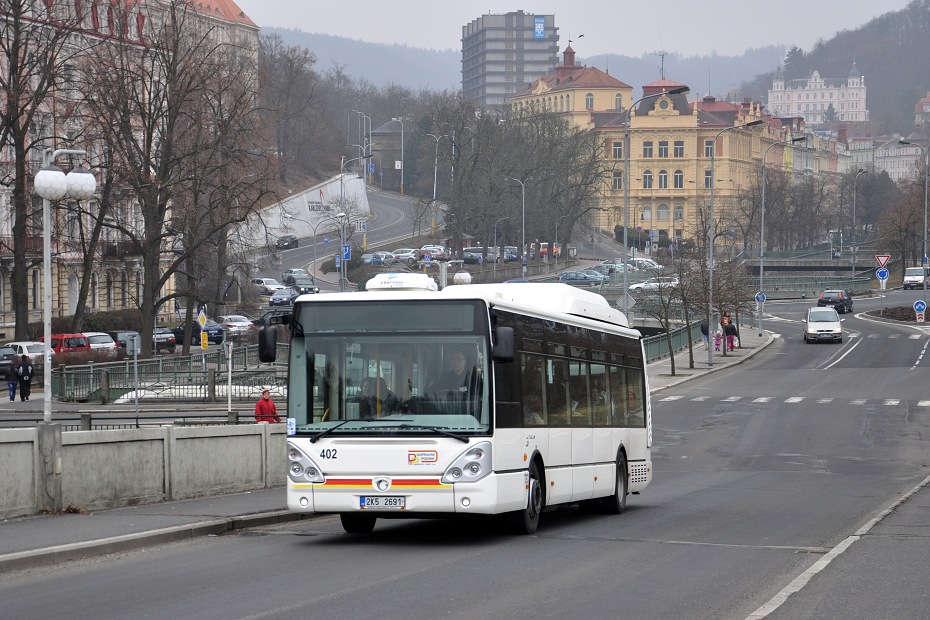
(401, 153)
(497, 249)
(435, 171)
(681, 90)
(710, 234)
(342, 217)
(762, 227)
(53, 184)
(926, 171)
(523, 235)
(852, 236)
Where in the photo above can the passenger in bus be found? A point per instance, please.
(377, 399)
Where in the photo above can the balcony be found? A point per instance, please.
(33, 245)
(120, 249)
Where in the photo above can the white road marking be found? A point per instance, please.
(794, 399)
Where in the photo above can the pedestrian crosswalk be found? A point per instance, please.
(791, 400)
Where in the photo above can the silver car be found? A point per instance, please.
(822, 325)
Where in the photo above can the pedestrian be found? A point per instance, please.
(25, 372)
(265, 411)
(12, 378)
(718, 339)
(704, 333)
(731, 336)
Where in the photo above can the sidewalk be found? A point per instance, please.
(29, 542)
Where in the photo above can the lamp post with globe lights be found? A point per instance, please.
(51, 183)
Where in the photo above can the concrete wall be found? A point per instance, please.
(111, 468)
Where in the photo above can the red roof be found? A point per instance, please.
(582, 77)
(222, 9)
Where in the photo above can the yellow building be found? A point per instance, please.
(677, 148)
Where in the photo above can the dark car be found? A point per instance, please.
(121, 336)
(286, 242)
(470, 258)
(6, 356)
(214, 332)
(284, 297)
(163, 339)
(302, 284)
(838, 299)
(580, 278)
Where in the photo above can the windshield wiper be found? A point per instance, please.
(329, 430)
(436, 430)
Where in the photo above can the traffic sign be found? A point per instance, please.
(371, 167)
(347, 252)
(882, 259)
(325, 240)
(204, 340)
(338, 262)
(881, 274)
(760, 297)
(202, 317)
(920, 306)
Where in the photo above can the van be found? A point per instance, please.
(66, 343)
(914, 277)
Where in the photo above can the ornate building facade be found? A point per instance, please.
(820, 100)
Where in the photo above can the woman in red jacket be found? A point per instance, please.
(265, 410)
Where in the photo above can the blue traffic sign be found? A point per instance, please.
(347, 252)
(371, 167)
(325, 240)
(881, 274)
(760, 297)
(338, 261)
(920, 305)
(924, 260)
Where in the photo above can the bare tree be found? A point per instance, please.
(181, 114)
(39, 43)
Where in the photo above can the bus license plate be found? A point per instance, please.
(382, 502)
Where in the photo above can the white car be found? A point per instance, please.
(235, 324)
(408, 256)
(100, 341)
(267, 286)
(822, 325)
(31, 348)
(654, 284)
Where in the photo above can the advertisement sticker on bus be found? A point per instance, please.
(422, 457)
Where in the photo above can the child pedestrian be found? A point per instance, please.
(718, 339)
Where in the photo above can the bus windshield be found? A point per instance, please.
(390, 368)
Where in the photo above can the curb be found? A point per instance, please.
(769, 339)
(128, 542)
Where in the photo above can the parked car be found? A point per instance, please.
(213, 329)
(387, 258)
(236, 324)
(604, 270)
(164, 339)
(914, 277)
(120, 336)
(409, 256)
(284, 297)
(579, 278)
(837, 299)
(470, 258)
(644, 264)
(296, 272)
(304, 285)
(822, 324)
(436, 252)
(654, 284)
(492, 256)
(7, 353)
(267, 286)
(101, 341)
(33, 349)
(68, 343)
(371, 259)
(603, 276)
(286, 242)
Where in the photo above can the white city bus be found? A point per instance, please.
(552, 406)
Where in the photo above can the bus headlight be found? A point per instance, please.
(471, 466)
(302, 467)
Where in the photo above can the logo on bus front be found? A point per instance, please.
(422, 457)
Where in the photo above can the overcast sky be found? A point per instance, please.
(691, 27)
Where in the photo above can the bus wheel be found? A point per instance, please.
(527, 520)
(354, 523)
(616, 503)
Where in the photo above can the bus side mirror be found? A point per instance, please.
(268, 343)
(503, 349)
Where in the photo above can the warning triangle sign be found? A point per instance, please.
(882, 259)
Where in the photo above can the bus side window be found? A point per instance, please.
(635, 417)
(600, 395)
(532, 380)
(557, 393)
(618, 395)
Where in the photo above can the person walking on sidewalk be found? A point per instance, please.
(265, 411)
(704, 333)
(25, 372)
(12, 378)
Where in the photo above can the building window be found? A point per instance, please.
(618, 102)
(708, 179)
(618, 150)
(709, 147)
(647, 179)
(35, 289)
(618, 179)
(663, 148)
(663, 179)
(589, 101)
(679, 179)
(645, 214)
(662, 213)
(679, 212)
(679, 148)
(647, 148)
(109, 291)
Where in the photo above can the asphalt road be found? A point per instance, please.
(760, 470)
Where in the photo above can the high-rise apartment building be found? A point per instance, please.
(503, 53)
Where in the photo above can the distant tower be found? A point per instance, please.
(503, 53)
